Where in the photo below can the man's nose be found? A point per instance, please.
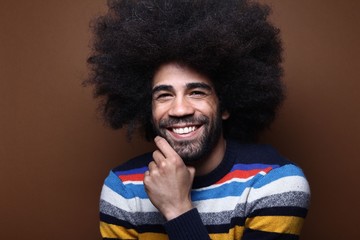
(181, 107)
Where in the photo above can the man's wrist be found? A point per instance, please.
(187, 226)
(178, 211)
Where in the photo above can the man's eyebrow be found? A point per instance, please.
(161, 88)
(202, 85)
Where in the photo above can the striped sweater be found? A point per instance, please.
(253, 194)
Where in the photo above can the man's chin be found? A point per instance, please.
(189, 150)
(189, 154)
(184, 147)
(179, 144)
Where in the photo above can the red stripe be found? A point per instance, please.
(235, 174)
(242, 174)
(132, 177)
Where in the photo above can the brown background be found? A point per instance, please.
(55, 151)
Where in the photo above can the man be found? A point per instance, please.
(202, 79)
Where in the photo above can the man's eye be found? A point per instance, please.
(197, 94)
(163, 96)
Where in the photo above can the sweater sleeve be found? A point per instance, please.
(277, 205)
(187, 226)
(115, 222)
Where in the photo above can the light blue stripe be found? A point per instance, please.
(128, 191)
(138, 190)
(281, 172)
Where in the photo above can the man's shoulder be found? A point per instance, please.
(257, 154)
(137, 162)
(126, 179)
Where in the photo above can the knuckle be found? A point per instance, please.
(177, 161)
(162, 164)
(155, 172)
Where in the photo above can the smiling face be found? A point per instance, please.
(185, 111)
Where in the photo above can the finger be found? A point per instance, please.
(158, 157)
(146, 177)
(191, 171)
(164, 147)
(152, 166)
(146, 180)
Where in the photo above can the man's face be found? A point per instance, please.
(185, 111)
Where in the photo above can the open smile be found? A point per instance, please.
(183, 131)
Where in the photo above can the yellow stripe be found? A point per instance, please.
(153, 236)
(277, 224)
(114, 231)
(234, 233)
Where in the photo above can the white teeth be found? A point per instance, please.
(184, 130)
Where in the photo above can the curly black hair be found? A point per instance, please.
(230, 41)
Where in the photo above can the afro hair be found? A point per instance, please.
(230, 41)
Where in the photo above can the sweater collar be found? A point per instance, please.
(220, 171)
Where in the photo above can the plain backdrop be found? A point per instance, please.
(55, 151)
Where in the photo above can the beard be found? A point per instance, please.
(197, 149)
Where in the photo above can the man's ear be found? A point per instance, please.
(225, 115)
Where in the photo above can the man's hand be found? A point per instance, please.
(168, 181)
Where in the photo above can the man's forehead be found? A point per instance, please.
(184, 85)
(179, 76)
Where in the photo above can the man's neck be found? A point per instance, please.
(208, 164)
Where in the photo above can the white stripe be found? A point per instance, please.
(282, 185)
(220, 204)
(130, 205)
(133, 182)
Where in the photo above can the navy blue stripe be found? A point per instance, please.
(154, 228)
(113, 220)
(280, 211)
(250, 234)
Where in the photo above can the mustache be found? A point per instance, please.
(189, 120)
